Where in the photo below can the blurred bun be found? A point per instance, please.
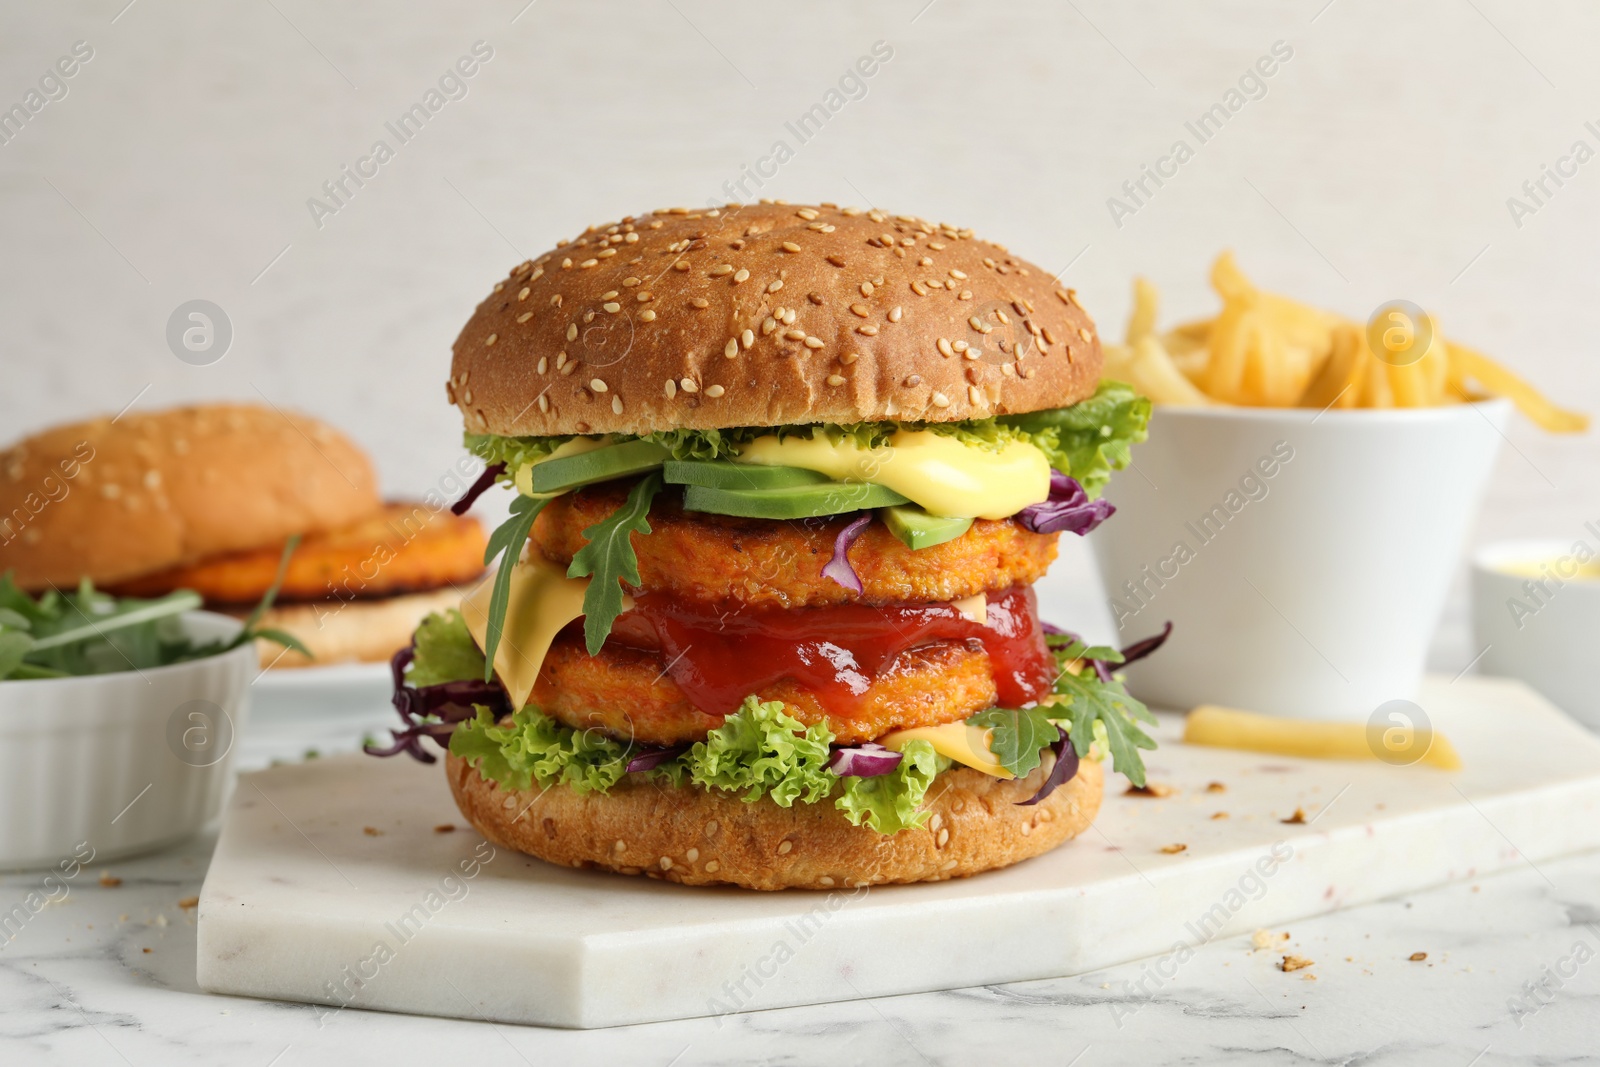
(116, 500)
(765, 315)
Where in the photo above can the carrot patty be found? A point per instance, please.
(402, 549)
(627, 692)
(764, 563)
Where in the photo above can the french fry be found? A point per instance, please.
(1157, 377)
(1466, 365)
(1142, 320)
(1333, 383)
(1229, 728)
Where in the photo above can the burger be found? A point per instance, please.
(206, 498)
(763, 612)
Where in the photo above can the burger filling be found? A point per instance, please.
(806, 614)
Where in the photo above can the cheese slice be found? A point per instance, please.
(943, 474)
(966, 744)
(974, 608)
(543, 600)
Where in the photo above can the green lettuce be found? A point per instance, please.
(445, 651)
(1091, 438)
(533, 748)
(760, 750)
(512, 451)
(889, 803)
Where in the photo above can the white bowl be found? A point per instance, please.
(1541, 629)
(320, 692)
(113, 764)
(1303, 557)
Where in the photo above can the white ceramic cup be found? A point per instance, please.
(108, 765)
(1541, 629)
(1303, 557)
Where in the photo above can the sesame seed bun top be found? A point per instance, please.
(768, 314)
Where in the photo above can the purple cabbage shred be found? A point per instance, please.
(863, 761)
(433, 711)
(1069, 509)
(838, 568)
(1063, 772)
(477, 489)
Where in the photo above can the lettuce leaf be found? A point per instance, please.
(512, 451)
(1091, 438)
(889, 803)
(445, 651)
(760, 750)
(534, 748)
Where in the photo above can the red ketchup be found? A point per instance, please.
(718, 659)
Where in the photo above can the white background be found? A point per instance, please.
(178, 166)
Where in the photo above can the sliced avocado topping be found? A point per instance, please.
(790, 502)
(598, 465)
(918, 529)
(721, 474)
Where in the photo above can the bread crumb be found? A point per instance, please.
(445, 828)
(189, 902)
(1219, 815)
(1172, 850)
(372, 831)
(1151, 789)
(1292, 962)
(1418, 957)
(1216, 787)
(1266, 939)
(109, 880)
(1297, 819)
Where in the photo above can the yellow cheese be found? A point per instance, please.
(543, 600)
(968, 745)
(939, 472)
(974, 608)
(524, 475)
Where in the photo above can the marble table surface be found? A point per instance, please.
(107, 976)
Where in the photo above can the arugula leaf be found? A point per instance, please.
(506, 542)
(609, 558)
(1087, 701)
(1019, 735)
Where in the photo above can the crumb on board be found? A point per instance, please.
(445, 828)
(1266, 938)
(1291, 962)
(1219, 815)
(109, 880)
(1173, 850)
(189, 902)
(1297, 819)
(1216, 787)
(372, 831)
(1151, 789)
(1418, 957)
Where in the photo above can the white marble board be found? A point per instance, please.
(305, 902)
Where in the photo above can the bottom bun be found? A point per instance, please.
(361, 631)
(697, 837)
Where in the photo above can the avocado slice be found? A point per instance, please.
(723, 474)
(790, 501)
(598, 465)
(918, 529)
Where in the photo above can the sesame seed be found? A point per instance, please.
(785, 848)
(775, 285)
(813, 342)
(612, 306)
(586, 264)
(525, 316)
(566, 264)
(1083, 333)
(544, 402)
(936, 283)
(491, 339)
(643, 295)
(944, 347)
(835, 379)
(795, 335)
(788, 316)
(588, 317)
(604, 252)
(825, 881)
(966, 294)
(925, 261)
(612, 295)
(572, 332)
(790, 246)
(837, 261)
(911, 381)
(692, 855)
(631, 238)
(747, 338)
(720, 269)
(711, 827)
(866, 288)
(861, 309)
(807, 213)
(629, 283)
(975, 394)
(894, 314)
(768, 325)
(714, 391)
(731, 349)
(867, 331)
(974, 353)
(1049, 338)
(647, 315)
(1027, 372)
(950, 865)
(544, 364)
(1064, 296)
(919, 288)
(887, 239)
(977, 324)
(712, 866)
(680, 266)
(523, 295)
(849, 358)
(742, 275)
(555, 300)
(616, 404)
(687, 385)
(700, 302)
(943, 838)
(671, 388)
(666, 863)
(940, 400)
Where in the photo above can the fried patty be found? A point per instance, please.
(627, 693)
(764, 563)
(404, 548)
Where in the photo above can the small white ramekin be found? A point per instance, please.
(1542, 628)
(120, 763)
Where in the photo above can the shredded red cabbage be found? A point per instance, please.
(651, 757)
(433, 710)
(866, 760)
(1063, 772)
(477, 489)
(1140, 649)
(838, 568)
(1069, 509)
